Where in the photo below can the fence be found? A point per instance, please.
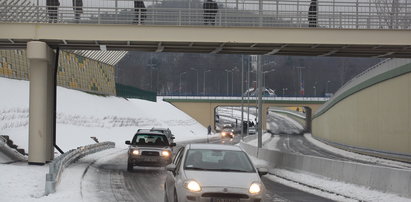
(354, 14)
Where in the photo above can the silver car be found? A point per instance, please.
(215, 173)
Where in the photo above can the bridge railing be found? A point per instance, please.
(358, 14)
(318, 99)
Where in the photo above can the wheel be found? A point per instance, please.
(129, 166)
(165, 194)
(175, 196)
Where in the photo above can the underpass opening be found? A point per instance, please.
(290, 120)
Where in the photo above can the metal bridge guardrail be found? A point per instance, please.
(237, 98)
(380, 68)
(359, 14)
(57, 166)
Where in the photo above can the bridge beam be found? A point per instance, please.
(41, 107)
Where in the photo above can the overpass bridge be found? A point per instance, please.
(203, 108)
(346, 29)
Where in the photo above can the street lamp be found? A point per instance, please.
(204, 78)
(284, 89)
(227, 70)
(265, 72)
(232, 79)
(315, 91)
(181, 74)
(326, 87)
(194, 69)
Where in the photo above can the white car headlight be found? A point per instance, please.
(192, 186)
(166, 153)
(135, 152)
(255, 188)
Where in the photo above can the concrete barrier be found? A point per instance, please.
(383, 179)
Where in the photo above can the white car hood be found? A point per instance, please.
(222, 179)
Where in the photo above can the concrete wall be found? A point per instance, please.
(375, 119)
(379, 178)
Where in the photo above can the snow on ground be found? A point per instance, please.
(353, 155)
(79, 117)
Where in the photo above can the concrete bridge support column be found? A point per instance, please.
(41, 147)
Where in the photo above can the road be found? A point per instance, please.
(110, 181)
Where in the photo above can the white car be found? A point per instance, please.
(213, 172)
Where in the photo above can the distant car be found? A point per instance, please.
(165, 131)
(213, 172)
(149, 148)
(252, 130)
(227, 132)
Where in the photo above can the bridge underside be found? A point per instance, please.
(233, 40)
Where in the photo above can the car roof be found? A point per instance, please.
(145, 132)
(214, 146)
(154, 128)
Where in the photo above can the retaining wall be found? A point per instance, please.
(383, 179)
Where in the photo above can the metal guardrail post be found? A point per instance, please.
(57, 165)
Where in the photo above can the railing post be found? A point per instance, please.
(356, 14)
(179, 17)
(98, 16)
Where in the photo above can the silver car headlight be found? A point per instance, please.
(255, 188)
(165, 153)
(135, 152)
(192, 185)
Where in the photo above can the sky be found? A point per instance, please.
(81, 116)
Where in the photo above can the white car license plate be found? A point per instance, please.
(225, 200)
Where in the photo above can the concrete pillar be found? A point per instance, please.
(40, 58)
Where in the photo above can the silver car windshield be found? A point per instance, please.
(149, 140)
(218, 160)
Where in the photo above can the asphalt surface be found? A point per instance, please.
(110, 181)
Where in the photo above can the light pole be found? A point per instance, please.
(194, 69)
(265, 72)
(326, 87)
(204, 78)
(232, 80)
(181, 74)
(227, 70)
(284, 89)
(315, 91)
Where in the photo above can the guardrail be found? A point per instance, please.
(238, 98)
(380, 178)
(11, 153)
(359, 14)
(57, 166)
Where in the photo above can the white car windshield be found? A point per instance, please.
(218, 160)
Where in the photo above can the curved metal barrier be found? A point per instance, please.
(57, 166)
(379, 178)
(11, 153)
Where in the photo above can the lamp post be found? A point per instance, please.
(194, 69)
(232, 80)
(284, 89)
(326, 86)
(181, 74)
(315, 91)
(204, 78)
(227, 70)
(265, 72)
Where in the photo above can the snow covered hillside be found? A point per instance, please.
(81, 116)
